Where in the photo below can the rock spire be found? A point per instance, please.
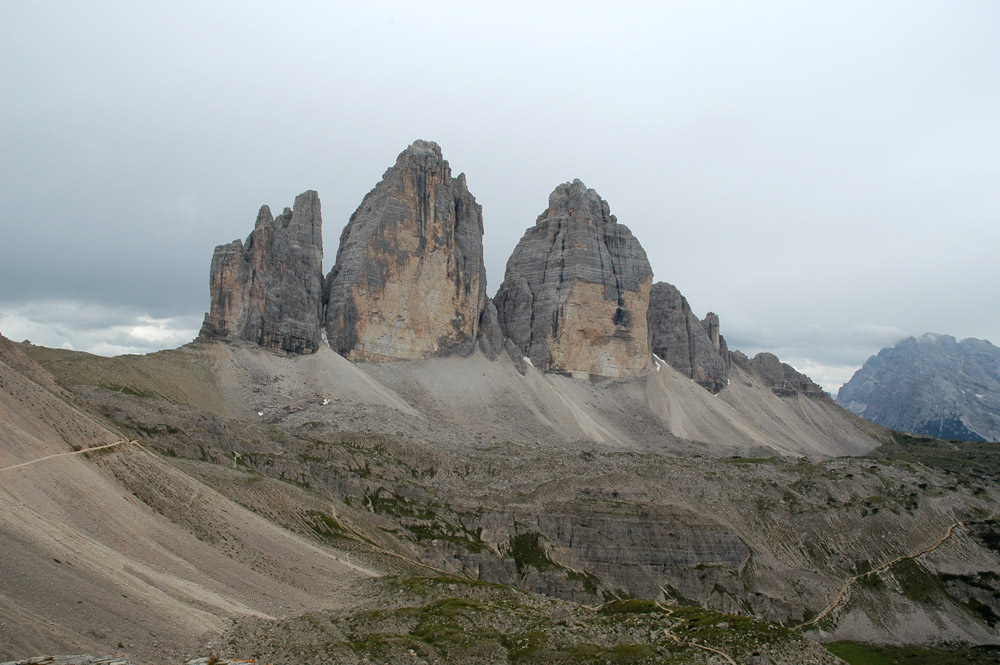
(692, 347)
(576, 290)
(269, 289)
(409, 281)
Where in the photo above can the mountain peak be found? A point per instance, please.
(931, 385)
(576, 290)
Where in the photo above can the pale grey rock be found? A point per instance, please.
(269, 290)
(931, 385)
(409, 281)
(692, 347)
(781, 378)
(576, 289)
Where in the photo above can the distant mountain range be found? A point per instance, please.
(931, 385)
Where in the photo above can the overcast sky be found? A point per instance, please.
(824, 176)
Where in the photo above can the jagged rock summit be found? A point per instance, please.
(576, 290)
(694, 348)
(783, 379)
(269, 290)
(409, 281)
(931, 385)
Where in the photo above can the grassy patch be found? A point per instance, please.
(526, 550)
(326, 527)
(858, 653)
(630, 606)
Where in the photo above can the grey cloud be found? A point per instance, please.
(94, 328)
(789, 166)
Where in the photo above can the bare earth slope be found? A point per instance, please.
(119, 547)
(457, 400)
(113, 548)
(581, 490)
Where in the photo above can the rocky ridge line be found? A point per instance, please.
(269, 289)
(783, 379)
(694, 348)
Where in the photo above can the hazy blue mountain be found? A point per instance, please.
(932, 385)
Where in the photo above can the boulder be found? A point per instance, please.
(576, 290)
(269, 290)
(409, 281)
(692, 347)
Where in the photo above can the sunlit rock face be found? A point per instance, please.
(576, 290)
(409, 281)
(269, 290)
(692, 347)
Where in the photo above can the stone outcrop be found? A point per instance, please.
(409, 281)
(269, 290)
(692, 347)
(782, 379)
(576, 289)
(490, 338)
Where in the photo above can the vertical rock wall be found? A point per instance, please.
(692, 347)
(409, 281)
(576, 290)
(269, 289)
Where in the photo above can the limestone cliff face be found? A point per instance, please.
(409, 281)
(576, 289)
(269, 289)
(692, 347)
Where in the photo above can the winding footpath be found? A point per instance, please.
(75, 452)
(845, 587)
(669, 632)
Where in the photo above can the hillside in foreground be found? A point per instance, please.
(300, 506)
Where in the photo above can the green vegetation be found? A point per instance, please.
(858, 653)
(129, 390)
(451, 620)
(631, 606)
(918, 584)
(965, 458)
(326, 527)
(391, 503)
(526, 550)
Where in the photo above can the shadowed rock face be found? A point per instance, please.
(409, 281)
(576, 289)
(269, 290)
(692, 347)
